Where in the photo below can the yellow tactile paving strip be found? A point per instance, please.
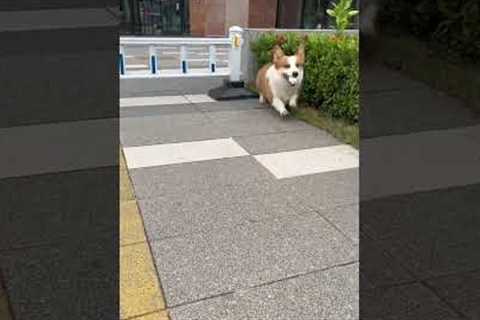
(140, 292)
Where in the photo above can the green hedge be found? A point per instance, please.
(449, 25)
(331, 81)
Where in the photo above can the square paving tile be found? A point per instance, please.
(202, 265)
(428, 232)
(253, 122)
(346, 218)
(157, 110)
(286, 141)
(328, 295)
(417, 110)
(175, 214)
(139, 288)
(182, 152)
(198, 98)
(407, 302)
(162, 315)
(125, 186)
(309, 161)
(41, 281)
(327, 190)
(152, 101)
(131, 224)
(201, 178)
(378, 268)
(380, 78)
(237, 105)
(460, 290)
(138, 131)
(53, 196)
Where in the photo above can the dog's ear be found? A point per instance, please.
(301, 54)
(281, 39)
(278, 55)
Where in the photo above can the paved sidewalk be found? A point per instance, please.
(419, 151)
(247, 216)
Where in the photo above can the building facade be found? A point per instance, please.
(212, 18)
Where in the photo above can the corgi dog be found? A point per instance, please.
(279, 82)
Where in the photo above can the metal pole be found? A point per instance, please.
(212, 58)
(153, 59)
(121, 61)
(183, 59)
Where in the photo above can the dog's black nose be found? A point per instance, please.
(294, 74)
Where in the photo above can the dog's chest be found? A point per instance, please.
(282, 89)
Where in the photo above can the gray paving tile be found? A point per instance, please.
(429, 255)
(172, 86)
(235, 105)
(176, 214)
(407, 302)
(286, 141)
(41, 281)
(156, 110)
(203, 178)
(462, 291)
(53, 197)
(415, 110)
(327, 190)
(202, 265)
(327, 295)
(138, 131)
(451, 243)
(378, 268)
(379, 78)
(253, 122)
(345, 218)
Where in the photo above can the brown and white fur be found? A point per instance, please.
(279, 82)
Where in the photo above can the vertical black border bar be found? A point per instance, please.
(419, 167)
(59, 184)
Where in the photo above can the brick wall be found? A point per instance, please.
(197, 17)
(215, 18)
(262, 13)
(236, 13)
(207, 18)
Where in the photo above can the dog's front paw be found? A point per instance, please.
(284, 113)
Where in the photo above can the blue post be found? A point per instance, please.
(153, 60)
(212, 58)
(183, 59)
(121, 60)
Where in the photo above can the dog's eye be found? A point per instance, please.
(298, 65)
(287, 66)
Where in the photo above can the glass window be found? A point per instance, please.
(289, 14)
(315, 15)
(155, 17)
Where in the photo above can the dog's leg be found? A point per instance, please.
(293, 101)
(280, 107)
(261, 99)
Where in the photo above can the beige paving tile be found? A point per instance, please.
(162, 315)
(131, 225)
(126, 188)
(123, 165)
(140, 291)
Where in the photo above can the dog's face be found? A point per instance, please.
(290, 67)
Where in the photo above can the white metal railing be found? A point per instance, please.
(154, 45)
